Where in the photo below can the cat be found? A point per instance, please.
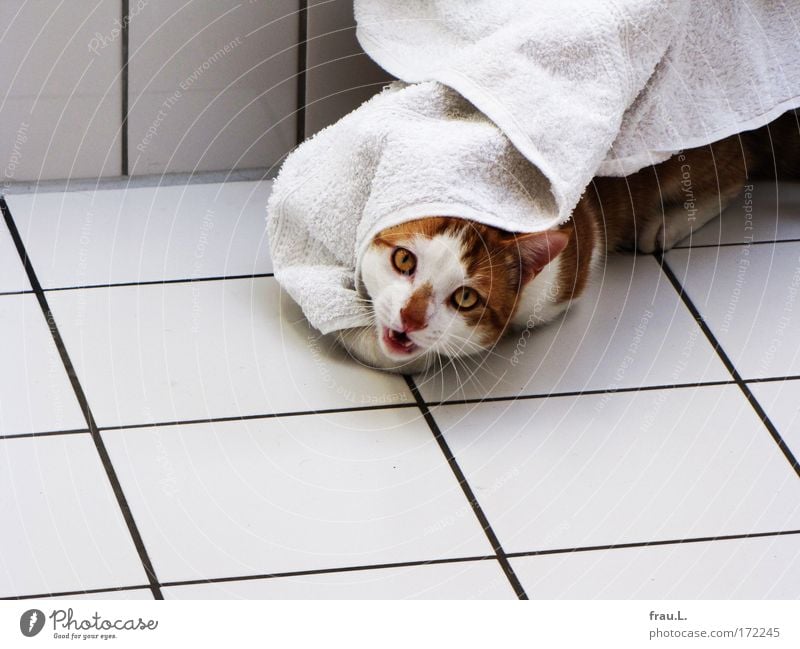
(445, 287)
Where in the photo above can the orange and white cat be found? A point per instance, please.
(445, 287)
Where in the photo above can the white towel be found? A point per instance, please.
(573, 89)
(410, 152)
(598, 87)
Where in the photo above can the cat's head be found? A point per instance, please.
(449, 286)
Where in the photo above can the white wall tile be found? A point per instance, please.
(212, 85)
(60, 103)
(340, 75)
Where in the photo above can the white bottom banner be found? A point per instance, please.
(389, 624)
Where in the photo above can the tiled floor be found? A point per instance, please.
(170, 427)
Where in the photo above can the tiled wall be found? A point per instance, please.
(209, 84)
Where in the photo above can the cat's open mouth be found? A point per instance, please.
(398, 342)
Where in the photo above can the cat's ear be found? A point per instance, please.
(537, 249)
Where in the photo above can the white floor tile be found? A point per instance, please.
(145, 234)
(605, 469)
(135, 594)
(35, 393)
(295, 493)
(463, 580)
(629, 329)
(781, 402)
(756, 568)
(767, 212)
(750, 298)
(62, 527)
(12, 272)
(207, 349)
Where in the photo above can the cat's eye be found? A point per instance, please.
(464, 298)
(404, 261)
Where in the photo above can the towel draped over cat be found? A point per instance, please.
(513, 108)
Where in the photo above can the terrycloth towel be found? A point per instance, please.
(573, 89)
(598, 87)
(410, 152)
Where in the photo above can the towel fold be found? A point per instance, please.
(598, 87)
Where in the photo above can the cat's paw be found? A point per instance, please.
(659, 235)
(662, 233)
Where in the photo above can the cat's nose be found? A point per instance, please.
(414, 315)
(411, 324)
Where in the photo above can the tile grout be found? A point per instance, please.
(398, 405)
(158, 282)
(506, 566)
(80, 395)
(650, 544)
(733, 244)
(422, 562)
(302, 68)
(726, 361)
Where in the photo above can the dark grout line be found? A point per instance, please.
(771, 379)
(67, 593)
(158, 282)
(302, 65)
(578, 393)
(125, 86)
(268, 415)
(762, 415)
(739, 243)
(411, 564)
(392, 406)
(82, 401)
(24, 292)
(327, 571)
(47, 433)
(468, 493)
(648, 544)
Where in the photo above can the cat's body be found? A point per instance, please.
(449, 287)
